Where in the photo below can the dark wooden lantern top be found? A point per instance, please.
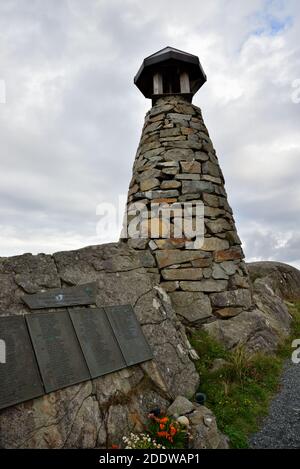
(170, 72)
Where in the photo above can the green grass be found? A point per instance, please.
(239, 393)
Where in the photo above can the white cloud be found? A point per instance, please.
(72, 118)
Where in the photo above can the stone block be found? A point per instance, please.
(193, 307)
(180, 406)
(170, 185)
(188, 176)
(234, 253)
(171, 257)
(218, 226)
(182, 274)
(215, 244)
(218, 273)
(196, 187)
(210, 168)
(226, 313)
(234, 298)
(205, 286)
(191, 167)
(149, 184)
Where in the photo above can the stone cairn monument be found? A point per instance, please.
(177, 180)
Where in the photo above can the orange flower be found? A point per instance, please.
(162, 434)
(173, 430)
(161, 426)
(114, 447)
(164, 420)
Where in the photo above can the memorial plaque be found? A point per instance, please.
(63, 297)
(98, 342)
(57, 349)
(129, 334)
(19, 376)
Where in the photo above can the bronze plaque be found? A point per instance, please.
(98, 343)
(19, 377)
(129, 334)
(57, 349)
(63, 297)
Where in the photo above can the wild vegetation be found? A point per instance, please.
(240, 391)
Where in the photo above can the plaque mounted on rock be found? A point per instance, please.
(57, 349)
(19, 376)
(98, 342)
(80, 295)
(129, 334)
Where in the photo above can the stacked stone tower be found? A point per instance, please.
(176, 166)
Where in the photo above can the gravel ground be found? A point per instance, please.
(281, 429)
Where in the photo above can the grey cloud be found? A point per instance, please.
(73, 118)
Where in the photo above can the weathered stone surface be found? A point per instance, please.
(272, 306)
(196, 186)
(212, 200)
(148, 184)
(188, 177)
(185, 144)
(182, 274)
(214, 244)
(264, 328)
(172, 139)
(150, 154)
(282, 278)
(168, 164)
(162, 194)
(189, 158)
(152, 127)
(170, 243)
(28, 274)
(181, 406)
(191, 167)
(207, 286)
(187, 130)
(169, 257)
(178, 118)
(229, 267)
(204, 430)
(98, 413)
(239, 281)
(170, 171)
(179, 154)
(241, 297)
(170, 185)
(170, 286)
(228, 254)
(213, 212)
(149, 146)
(149, 174)
(219, 273)
(205, 262)
(201, 156)
(161, 109)
(211, 169)
(218, 226)
(233, 237)
(226, 313)
(170, 132)
(194, 308)
(207, 177)
(250, 328)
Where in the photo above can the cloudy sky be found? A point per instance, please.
(72, 118)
